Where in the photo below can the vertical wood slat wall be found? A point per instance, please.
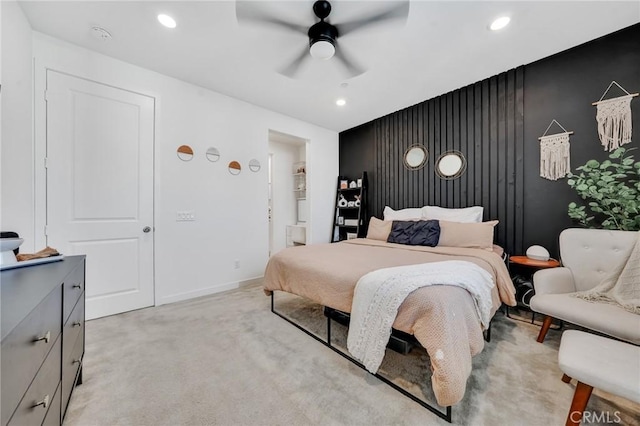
(484, 121)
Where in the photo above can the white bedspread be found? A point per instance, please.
(379, 294)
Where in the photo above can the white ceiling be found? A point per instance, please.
(442, 46)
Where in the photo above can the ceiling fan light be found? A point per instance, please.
(322, 49)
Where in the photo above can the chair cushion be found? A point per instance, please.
(603, 317)
(603, 363)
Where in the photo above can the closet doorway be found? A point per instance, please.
(288, 191)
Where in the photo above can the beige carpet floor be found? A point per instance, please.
(227, 360)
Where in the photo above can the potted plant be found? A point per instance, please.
(611, 190)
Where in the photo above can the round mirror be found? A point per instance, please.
(415, 157)
(235, 168)
(213, 154)
(254, 165)
(185, 153)
(451, 165)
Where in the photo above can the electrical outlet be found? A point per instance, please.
(185, 216)
(237, 264)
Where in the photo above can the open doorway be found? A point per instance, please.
(288, 191)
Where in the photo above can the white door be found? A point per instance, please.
(100, 188)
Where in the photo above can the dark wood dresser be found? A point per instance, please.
(42, 340)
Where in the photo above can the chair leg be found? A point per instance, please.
(566, 378)
(579, 403)
(545, 327)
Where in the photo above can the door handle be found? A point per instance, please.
(146, 229)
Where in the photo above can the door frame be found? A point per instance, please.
(95, 75)
(285, 137)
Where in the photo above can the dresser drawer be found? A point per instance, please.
(70, 369)
(32, 408)
(73, 328)
(23, 353)
(72, 288)
(53, 415)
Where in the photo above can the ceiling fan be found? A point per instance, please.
(323, 36)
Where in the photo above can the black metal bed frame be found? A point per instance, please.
(443, 415)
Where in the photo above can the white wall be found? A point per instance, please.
(16, 176)
(197, 258)
(283, 198)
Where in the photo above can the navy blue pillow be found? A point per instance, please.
(415, 233)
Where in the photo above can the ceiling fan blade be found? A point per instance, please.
(352, 67)
(292, 69)
(251, 11)
(400, 11)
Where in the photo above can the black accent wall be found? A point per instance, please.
(496, 124)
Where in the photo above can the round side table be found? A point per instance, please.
(532, 263)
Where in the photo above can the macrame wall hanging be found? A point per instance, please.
(614, 119)
(555, 159)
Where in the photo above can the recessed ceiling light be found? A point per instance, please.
(500, 23)
(341, 102)
(167, 21)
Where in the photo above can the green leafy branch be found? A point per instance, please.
(611, 190)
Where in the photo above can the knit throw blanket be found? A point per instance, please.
(621, 286)
(379, 294)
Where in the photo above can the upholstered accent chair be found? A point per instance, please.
(587, 256)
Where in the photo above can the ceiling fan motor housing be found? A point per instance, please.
(322, 8)
(322, 31)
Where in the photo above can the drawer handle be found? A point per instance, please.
(78, 286)
(44, 402)
(76, 324)
(76, 361)
(46, 337)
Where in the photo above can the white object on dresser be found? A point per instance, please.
(7, 246)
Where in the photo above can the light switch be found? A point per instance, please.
(185, 216)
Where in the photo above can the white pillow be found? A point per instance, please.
(404, 214)
(466, 215)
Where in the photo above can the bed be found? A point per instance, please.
(442, 318)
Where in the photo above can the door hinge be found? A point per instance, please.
(46, 163)
(46, 95)
(46, 231)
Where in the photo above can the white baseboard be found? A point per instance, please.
(197, 293)
(251, 282)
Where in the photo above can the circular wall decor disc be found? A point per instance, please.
(185, 153)
(235, 168)
(254, 165)
(213, 154)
